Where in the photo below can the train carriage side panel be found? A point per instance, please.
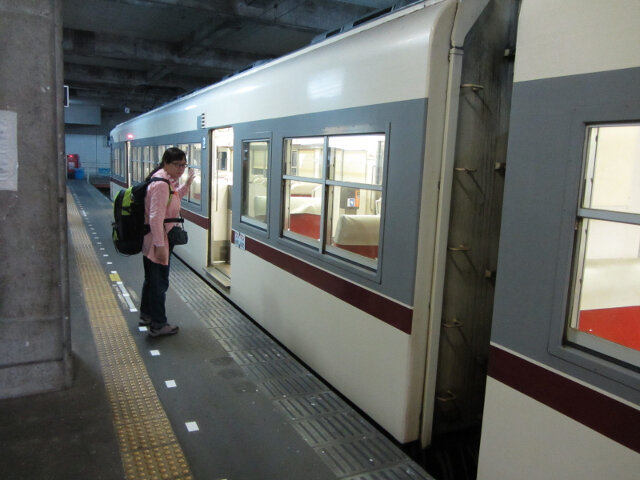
(388, 76)
(574, 450)
(376, 361)
(556, 407)
(362, 357)
(195, 252)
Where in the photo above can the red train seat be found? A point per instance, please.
(358, 234)
(304, 216)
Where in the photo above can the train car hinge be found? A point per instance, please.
(452, 323)
(510, 53)
(473, 86)
(446, 397)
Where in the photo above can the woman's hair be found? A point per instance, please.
(171, 154)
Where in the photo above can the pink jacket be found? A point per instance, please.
(156, 208)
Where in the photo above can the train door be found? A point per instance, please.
(221, 162)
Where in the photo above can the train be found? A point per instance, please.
(436, 208)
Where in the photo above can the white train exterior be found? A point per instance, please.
(350, 201)
(559, 403)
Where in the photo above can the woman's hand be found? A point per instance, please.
(190, 176)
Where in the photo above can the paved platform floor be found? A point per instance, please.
(220, 400)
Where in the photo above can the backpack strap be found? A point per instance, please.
(171, 192)
(160, 179)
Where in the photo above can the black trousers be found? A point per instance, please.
(154, 292)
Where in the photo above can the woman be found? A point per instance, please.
(162, 201)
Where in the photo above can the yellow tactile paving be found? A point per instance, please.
(148, 445)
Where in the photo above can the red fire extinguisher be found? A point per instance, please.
(72, 163)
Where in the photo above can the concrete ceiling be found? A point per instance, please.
(139, 54)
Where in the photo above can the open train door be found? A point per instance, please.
(221, 168)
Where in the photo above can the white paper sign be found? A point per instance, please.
(8, 150)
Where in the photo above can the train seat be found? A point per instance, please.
(304, 215)
(358, 234)
(302, 189)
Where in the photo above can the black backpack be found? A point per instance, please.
(128, 224)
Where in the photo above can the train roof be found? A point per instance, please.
(362, 24)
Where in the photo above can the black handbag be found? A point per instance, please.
(177, 235)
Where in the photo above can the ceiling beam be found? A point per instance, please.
(121, 70)
(106, 77)
(313, 16)
(79, 43)
(117, 97)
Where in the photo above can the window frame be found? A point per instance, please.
(573, 337)
(197, 167)
(118, 161)
(245, 219)
(321, 247)
(136, 154)
(321, 181)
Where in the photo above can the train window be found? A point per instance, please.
(117, 166)
(303, 210)
(255, 172)
(605, 315)
(193, 152)
(141, 161)
(304, 157)
(136, 156)
(335, 209)
(132, 159)
(146, 162)
(356, 158)
(161, 150)
(123, 161)
(194, 158)
(303, 187)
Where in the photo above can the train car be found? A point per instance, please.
(349, 199)
(563, 388)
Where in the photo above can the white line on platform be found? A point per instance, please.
(127, 297)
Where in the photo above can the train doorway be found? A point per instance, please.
(221, 167)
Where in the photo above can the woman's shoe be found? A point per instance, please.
(166, 329)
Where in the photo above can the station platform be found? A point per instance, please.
(221, 400)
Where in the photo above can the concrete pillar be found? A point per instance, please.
(35, 347)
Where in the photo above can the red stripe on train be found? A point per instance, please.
(390, 312)
(606, 415)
